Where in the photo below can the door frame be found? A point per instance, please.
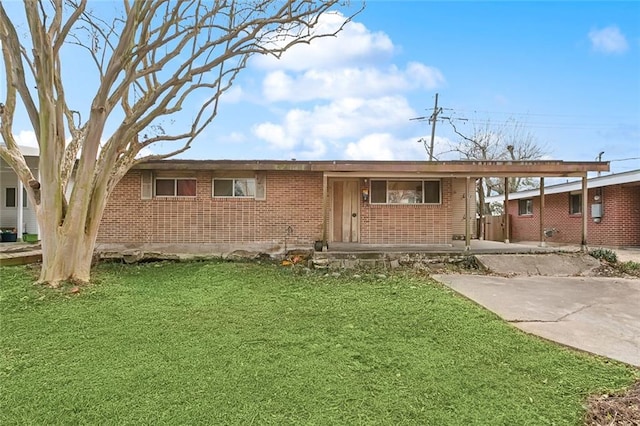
(332, 206)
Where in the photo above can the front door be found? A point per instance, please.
(345, 201)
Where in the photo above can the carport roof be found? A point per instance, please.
(372, 168)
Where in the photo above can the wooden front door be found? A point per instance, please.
(345, 212)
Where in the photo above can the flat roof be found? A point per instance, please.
(631, 178)
(544, 168)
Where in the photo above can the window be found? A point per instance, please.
(575, 203)
(405, 191)
(525, 207)
(243, 187)
(11, 199)
(175, 187)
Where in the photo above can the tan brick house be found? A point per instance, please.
(612, 213)
(221, 206)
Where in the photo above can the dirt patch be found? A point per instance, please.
(622, 409)
(619, 269)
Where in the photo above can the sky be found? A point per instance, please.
(568, 72)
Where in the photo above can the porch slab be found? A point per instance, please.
(19, 253)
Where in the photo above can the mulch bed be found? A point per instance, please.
(621, 409)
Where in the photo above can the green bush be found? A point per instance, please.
(606, 254)
(630, 267)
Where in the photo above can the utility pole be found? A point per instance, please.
(599, 158)
(433, 119)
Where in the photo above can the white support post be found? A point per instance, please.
(20, 216)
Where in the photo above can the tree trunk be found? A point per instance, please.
(67, 253)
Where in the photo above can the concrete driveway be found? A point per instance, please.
(595, 314)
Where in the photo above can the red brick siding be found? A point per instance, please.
(620, 225)
(408, 224)
(293, 208)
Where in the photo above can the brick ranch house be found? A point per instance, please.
(273, 206)
(612, 209)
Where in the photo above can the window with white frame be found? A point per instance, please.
(175, 187)
(575, 203)
(11, 197)
(234, 187)
(405, 192)
(525, 207)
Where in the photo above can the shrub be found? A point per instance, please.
(604, 254)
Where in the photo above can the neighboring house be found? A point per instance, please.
(218, 206)
(613, 211)
(15, 211)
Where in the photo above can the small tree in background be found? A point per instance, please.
(509, 141)
(151, 61)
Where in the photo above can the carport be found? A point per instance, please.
(471, 171)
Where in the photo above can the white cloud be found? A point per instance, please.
(363, 112)
(313, 133)
(355, 44)
(26, 138)
(274, 135)
(233, 95)
(385, 146)
(608, 40)
(376, 146)
(351, 82)
(236, 137)
(340, 119)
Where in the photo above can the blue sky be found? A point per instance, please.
(568, 71)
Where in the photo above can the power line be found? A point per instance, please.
(540, 125)
(625, 159)
(617, 116)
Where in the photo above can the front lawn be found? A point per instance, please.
(238, 343)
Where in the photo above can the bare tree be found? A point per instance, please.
(508, 141)
(151, 61)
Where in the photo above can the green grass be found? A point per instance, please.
(234, 343)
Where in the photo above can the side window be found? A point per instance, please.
(236, 187)
(525, 207)
(169, 187)
(575, 203)
(10, 197)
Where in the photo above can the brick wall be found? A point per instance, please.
(620, 225)
(292, 209)
(408, 224)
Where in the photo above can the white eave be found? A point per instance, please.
(632, 177)
(29, 151)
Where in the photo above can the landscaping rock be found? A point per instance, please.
(132, 256)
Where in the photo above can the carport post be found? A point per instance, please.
(325, 194)
(467, 213)
(585, 214)
(542, 241)
(506, 211)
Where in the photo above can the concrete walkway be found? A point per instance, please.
(595, 314)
